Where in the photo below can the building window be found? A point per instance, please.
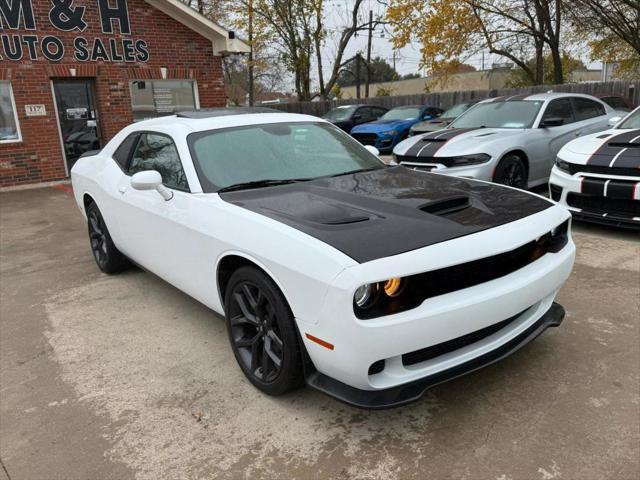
(157, 98)
(9, 126)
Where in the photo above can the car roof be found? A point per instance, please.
(535, 97)
(224, 112)
(212, 119)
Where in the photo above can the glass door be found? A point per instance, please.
(77, 118)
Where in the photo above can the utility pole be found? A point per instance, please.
(368, 72)
(358, 59)
(250, 65)
(483, 60)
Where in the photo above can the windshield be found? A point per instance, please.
(277, 151)
(339, 113)
(456, 110)
(401, 113)
(515, 114)
(632, 121)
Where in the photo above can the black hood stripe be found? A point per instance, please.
(425, 148)
(615, 154)
(384, 212)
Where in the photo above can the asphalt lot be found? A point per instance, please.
(119, 377)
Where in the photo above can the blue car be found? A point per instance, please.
(393, 126)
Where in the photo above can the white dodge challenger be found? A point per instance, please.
(509, 140)
(598, 176)
(368, 282)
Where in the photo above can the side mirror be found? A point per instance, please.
(150, 180)
(551, 122)
(372, 149)
(613, 121)
(357, 116)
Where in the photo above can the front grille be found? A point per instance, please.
(434, 351)
(603, 170)
(600, 205)
(365, 138)
(555, 191)
(431, 284)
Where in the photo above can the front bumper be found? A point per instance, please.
(483, 171)
(382, 141)
(523, 295)
(581, 195)
(410, 392)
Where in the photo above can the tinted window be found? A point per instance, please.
(616, 102)
(123, 152)
(157, 152)
(560, 108)
(586, 108)
(365, 112)
(379, 111)
(279, 151)
(339, 113)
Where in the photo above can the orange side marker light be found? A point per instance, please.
(319, 341)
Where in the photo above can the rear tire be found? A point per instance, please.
(511, 171)
(107, 256)
(262, 332)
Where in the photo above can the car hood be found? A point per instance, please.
(376, 214)
(455, 141)
(600, 149)
(378, 126)
(433, 125)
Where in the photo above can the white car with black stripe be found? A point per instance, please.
(368, 282)
(598, 176)
(509, 140)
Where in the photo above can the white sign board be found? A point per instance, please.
(35, 110)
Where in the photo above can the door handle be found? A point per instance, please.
(577, 134)
(122, 189)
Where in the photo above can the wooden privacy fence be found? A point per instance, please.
(627, 89)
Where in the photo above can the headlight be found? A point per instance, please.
(562, 165)
(366, 296)
(474, 159)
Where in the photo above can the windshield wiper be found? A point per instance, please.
(258, 184)
(359, 170)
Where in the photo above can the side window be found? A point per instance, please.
(158, 152)
(560, 108)
(586, 109)
(365, 112)
(378, 112)
(123, 152)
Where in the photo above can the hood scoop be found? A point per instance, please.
(624, 145)
(606, 135)
(434, 140)
(345, 220)
(446, 206)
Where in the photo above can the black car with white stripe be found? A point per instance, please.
(598, 176)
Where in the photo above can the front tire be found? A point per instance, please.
(511, 171)
(107, 256)
(262, 332)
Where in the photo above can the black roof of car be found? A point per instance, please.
(224, 112)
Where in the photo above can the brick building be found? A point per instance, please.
(74, 72)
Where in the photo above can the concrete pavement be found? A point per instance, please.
(122, 377)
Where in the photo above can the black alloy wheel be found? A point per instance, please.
(511, 171)
(105, 253)
(262, 333)
(255, 332)
(98, 238)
